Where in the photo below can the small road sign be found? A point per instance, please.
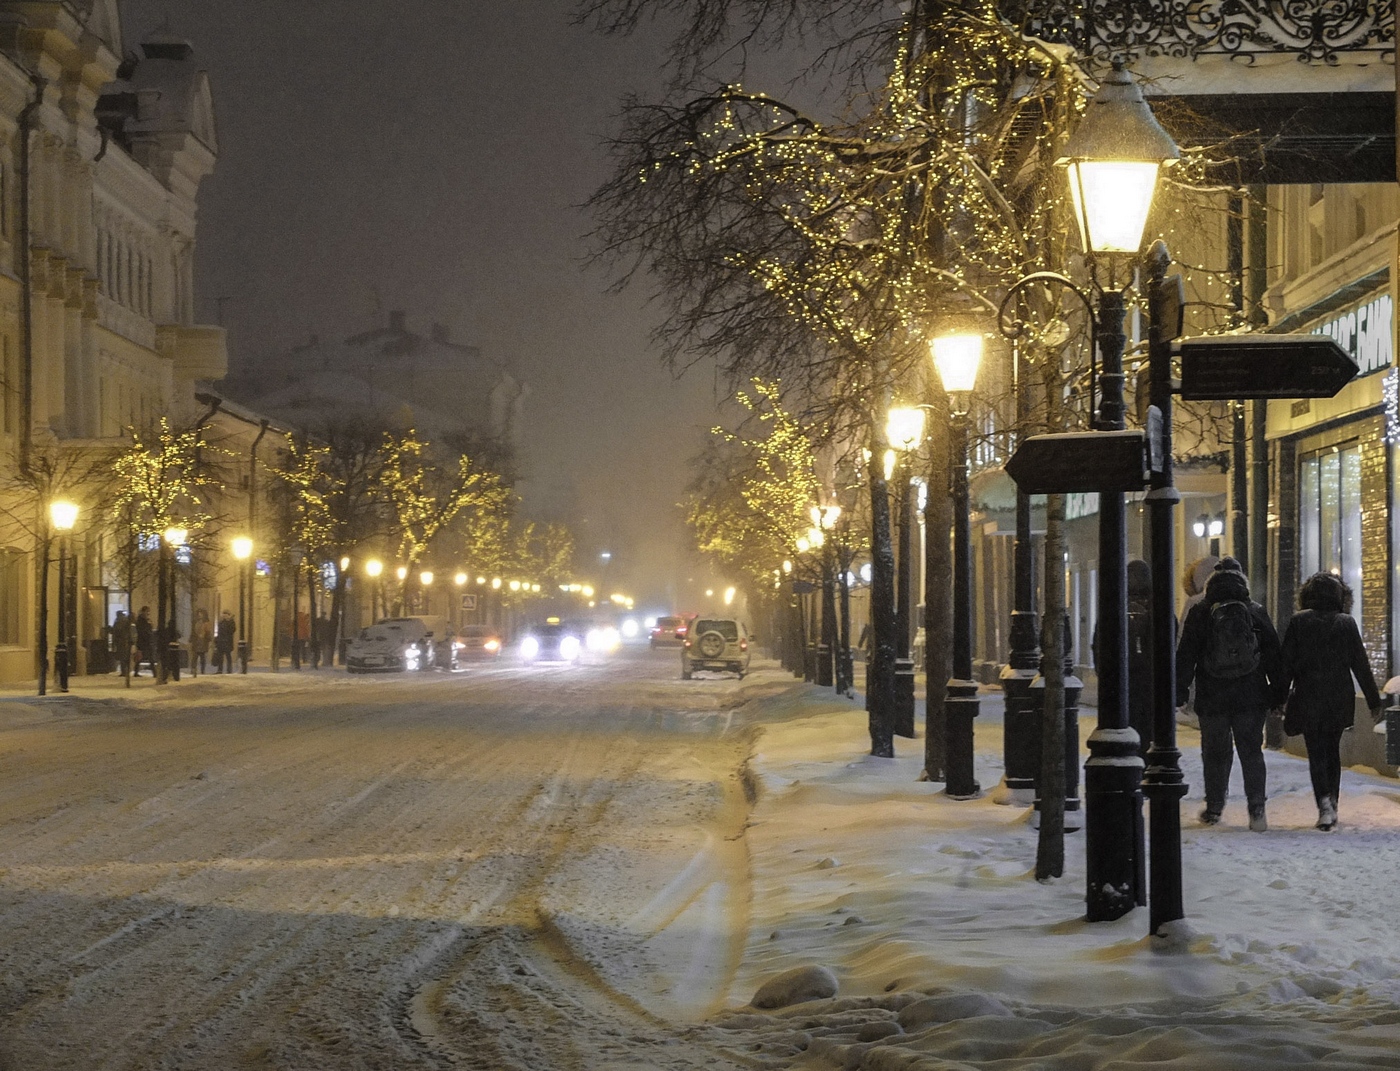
(468, 602)
(1102, 461)
(1227, 367)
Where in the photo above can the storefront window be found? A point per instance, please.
(1329, 521)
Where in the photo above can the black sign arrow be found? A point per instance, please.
(1080, 461)
(1226, 367)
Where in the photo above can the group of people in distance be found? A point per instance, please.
(1241, 671)
(134, 642)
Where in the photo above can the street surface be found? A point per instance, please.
(509, 867)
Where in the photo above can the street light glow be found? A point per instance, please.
(1113, 160)
(64, 515)
(242, 548)
(426, 578)
(904, 426)
(401, 572)
(175, 536)
(729, 596)
(374, 567)
(957, 356)
(460, 579)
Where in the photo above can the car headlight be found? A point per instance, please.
(492, 645)
(630, 629)
(410, 658)
(569, 647)
(530, 647)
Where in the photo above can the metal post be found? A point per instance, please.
(161, 666)
(172, 649)
(826, 652)
(1113, 772)
(243, 630)
(903, 615)
(962, 705)
(60, 652)
(1162, 781)
(1021, 719)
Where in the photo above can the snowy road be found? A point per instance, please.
(483, 870)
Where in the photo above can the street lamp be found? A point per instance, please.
(63, 515)
(831, 663)
(957, 357)
(374, 569)
(904, 430)
(425, 581)
(243, 553)
(172, 537)
(1113, 160)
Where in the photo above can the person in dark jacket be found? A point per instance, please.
(121, 641)
(1231, 709)
(1322, 651)
(223, 643)
(145, 642)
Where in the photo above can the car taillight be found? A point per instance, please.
(743, 645)
(681, 631)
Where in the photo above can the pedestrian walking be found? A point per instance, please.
(1230, 650)
(121, 641)
(201, 639)
(170, 649)
(145, 642)
(1322, 652)
(223, 643)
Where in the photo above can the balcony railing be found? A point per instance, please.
(1316, 31)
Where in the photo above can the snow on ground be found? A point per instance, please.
(1290, 957)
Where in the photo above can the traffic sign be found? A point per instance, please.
(1080, 461)
(1227, 367)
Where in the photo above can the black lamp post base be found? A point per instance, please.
(243, 656)
(904, 698)
(1164, 786)
(1113, 827)
(60, 666)
(1021, 733)
(825, 678)
(960, 710)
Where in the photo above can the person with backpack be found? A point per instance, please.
(1229, 648)
(1322, 651)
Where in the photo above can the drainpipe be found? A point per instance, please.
(252, 518)
(26, 279)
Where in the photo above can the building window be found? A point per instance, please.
(11, 592)
(1329, 516)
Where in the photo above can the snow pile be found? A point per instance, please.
(949, 954)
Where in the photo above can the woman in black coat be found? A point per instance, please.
(1322, 651)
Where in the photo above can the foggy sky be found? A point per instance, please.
(429, 155)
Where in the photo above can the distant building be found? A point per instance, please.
(391, 374)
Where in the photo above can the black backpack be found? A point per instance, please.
(1232, 644)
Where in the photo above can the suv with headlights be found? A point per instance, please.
(715, 643)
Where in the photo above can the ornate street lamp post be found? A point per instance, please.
(425, 580)
(63, 516)
(904, 429)
(831, 669)
(1113, 159)
(374, 569)
(243, 553)
(957, 357)
(172, 538)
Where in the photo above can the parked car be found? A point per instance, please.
(552, 641)
(479, 643)
(715, 643)
(390, 646)
(670, 631)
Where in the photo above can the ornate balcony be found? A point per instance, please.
(1316, 31)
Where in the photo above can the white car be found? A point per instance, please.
(391, 646)
(715, 643)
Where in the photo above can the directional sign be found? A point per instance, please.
(1226, 367)
(1080, 461)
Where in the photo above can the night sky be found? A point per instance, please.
(430, 155)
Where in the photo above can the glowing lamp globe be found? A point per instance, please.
(175, 536)
(242, 548)
(374, 567)
(957, 358)
(63, 515)
(1113, 159)
(905, 427)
